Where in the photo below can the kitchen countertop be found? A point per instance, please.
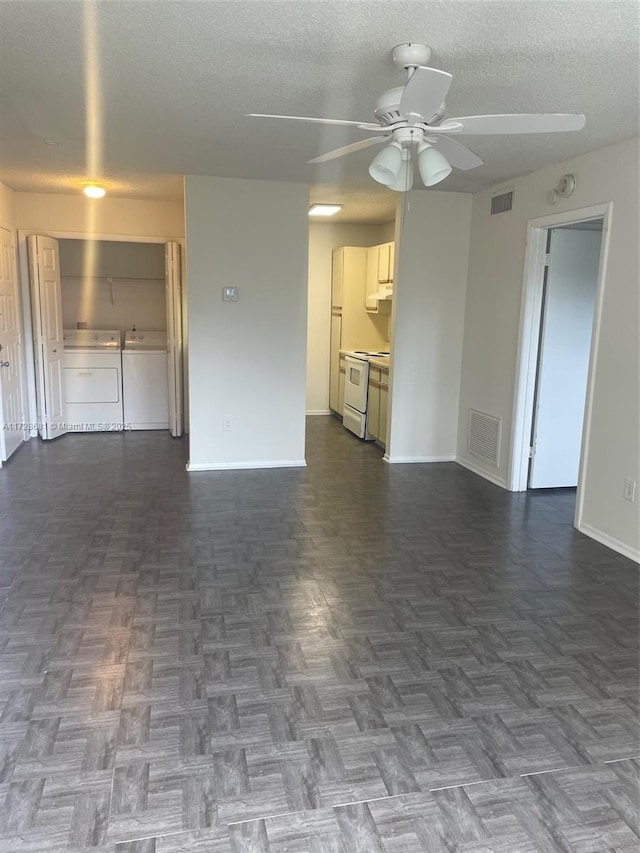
(382, 361)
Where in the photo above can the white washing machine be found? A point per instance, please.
(145, 380)
(93, 380)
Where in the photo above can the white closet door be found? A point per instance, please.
(174, 335)
(46, 296)
(12, 432)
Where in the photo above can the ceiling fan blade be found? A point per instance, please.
(348, 149)
(457, 154)
(517, 123)
(362, 124)
(424, 93)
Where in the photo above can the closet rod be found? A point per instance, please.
(117, 277)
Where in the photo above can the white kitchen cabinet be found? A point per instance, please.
(373, 283)
(373, 402)
(384, 253)
(386, 262)
(334, 374)
(372, 279)
(384, 407)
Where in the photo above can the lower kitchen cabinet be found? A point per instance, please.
(384, 407)
(373, 402)
(334, 376)
(378, 403)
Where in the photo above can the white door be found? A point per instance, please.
(12, 432)
(563, 367)
(173, 278)
(46, 301)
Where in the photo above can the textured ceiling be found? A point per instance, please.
(166, 85)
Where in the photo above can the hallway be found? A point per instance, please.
(348, 658)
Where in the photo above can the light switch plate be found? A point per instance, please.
(230, 294)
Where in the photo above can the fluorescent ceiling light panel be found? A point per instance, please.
(324, 209)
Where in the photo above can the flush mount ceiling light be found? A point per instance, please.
(419, 106)
(324, 209)
(94, 190)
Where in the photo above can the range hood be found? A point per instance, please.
(385, 292)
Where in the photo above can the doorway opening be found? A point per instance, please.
(88, 297)
(564, 347)
(563, 290)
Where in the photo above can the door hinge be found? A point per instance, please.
(547, 259)
(532, 451)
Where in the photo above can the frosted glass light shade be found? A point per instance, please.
(404, 181)
(385, 166)
(432, 165)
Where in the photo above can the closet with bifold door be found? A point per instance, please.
(90, 294)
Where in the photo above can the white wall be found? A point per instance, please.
(52, 212)
(136, 295)
(247, 358)
(494, 297)
(386, 232)
(324, 237)
(428, 319)
(7, 205)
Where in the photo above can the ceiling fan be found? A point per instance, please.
(411, 119)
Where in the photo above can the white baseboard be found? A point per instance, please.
(318, 412)
(408, 460)
(242, 466)
(476, 469)
(610, 542)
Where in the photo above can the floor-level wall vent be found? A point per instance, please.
(502, 203)
(484, 436)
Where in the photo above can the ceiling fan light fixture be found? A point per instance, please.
(433, 167)
(404, 181)
(386, 165)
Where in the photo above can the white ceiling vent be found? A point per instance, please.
(501, 203)
(484, 436)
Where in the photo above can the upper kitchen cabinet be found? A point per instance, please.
(386, 261)
(380, 261)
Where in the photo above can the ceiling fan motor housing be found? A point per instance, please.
(410, 55)
(387, 110)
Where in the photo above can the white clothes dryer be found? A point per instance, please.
(93, 380)
(145, 380)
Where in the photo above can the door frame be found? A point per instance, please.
(25, 287)
(529, 341)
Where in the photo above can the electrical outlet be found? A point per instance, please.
(230, 294)
(226, 424)
(629, 491)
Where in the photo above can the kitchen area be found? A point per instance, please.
(360, 346)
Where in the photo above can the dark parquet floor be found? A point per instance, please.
(349, 658)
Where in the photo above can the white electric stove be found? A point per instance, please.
(356, 388)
